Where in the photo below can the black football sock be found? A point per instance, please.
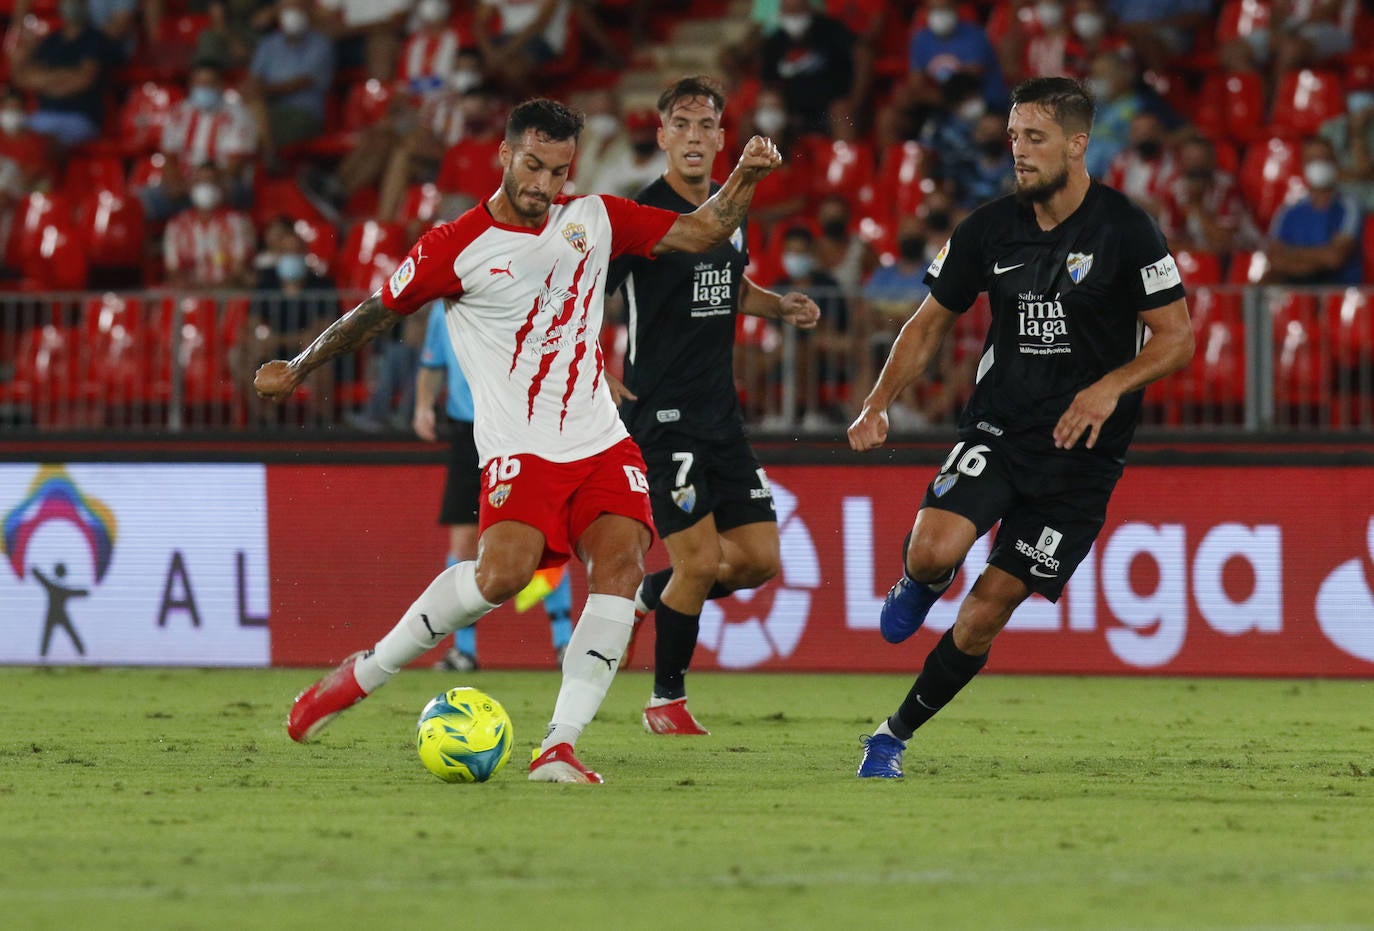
(718, 590)
(654, 584)
(947, 670)
(675, 639)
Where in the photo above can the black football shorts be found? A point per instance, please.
(691, 477)
(463, 483)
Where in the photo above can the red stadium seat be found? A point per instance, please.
(844, 168)
(283, 197)
(189, 340)
(1305, 100)
(1247, 268)
(87, 172)
(1239, 18)
(904, 178)
(421, 204)
(35, 212)
(471, 167)
(56, 259)
(1270, 174)
(1302, 358)
(147, 171)
(321, 243)
(370, 254)
(1198, 268)
(1351, 319)
(1212, 387)
(365, 104)
(1242, 96)
(45, 372)
(114, 334)
(145, 111)
(112, 225)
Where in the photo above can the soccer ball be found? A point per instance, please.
(464, 735)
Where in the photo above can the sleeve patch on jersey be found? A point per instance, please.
(402, 276)
(1160, 276)
(938, 262)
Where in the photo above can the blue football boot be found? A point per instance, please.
(882, 757)
(908, 602)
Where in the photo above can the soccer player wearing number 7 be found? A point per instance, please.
(523, 279)
(1075, 274)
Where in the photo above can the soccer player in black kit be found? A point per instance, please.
(1075, 274)
(710, 497)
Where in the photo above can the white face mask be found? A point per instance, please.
(1100, 88)
(11, 121)
(770, 120)
(797, 264)
(1050, 15)
(1320, 175)
(795, 24)
(204, 195)
(432, 11)
(602, 126)
(465, 79)
(294, 21)
(971, 109)
(942, 21)
(1088, 26)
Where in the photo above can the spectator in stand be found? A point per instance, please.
(293, 306)
(207, 126)
(288, 81)
(1139, 170)
(12, 192)
(21, 145)
(604, 142)
(868, 21)
(273, 238)
(988, 174)
(783, 194)
(429, 59)
(116, 20)
(636, 166)
(839, 249)
(823, 354)
(948, 45)
(949, 132)
(366, 33)
(208, 245)
(235, 25)
(1300, 34)
(810, 57)
(1316, 240)
(1160, 30)
(1201, 207)
(1114, 86)
(1352, 136)
(1091, 37)
(533, 33)
(64, 70)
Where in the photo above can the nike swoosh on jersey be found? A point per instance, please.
(999, 270)
(1039, 574)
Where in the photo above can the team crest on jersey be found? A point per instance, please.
(402, 276)
(576, 235)
(685, 498)
(944, 483)
(1078, 265)
(499, 494)
(737, 239)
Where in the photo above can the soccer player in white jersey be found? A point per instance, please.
(523, 277)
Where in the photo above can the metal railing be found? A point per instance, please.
(1290, 360)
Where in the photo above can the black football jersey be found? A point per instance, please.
(1064, 309)
(681, 311)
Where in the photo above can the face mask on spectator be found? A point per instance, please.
(795, 24)
(972, 109)
(291, 267)
(11, 121)
(1357, 102)
(1149, 149)
(1049, 15)
(1100, 88)
(770, 120)
(204, 195)
(464, 80)
(1088, 26)
(204, 98)
(797, 264)
(942, 21)
(602, 126)
(432, 11)
(294, 21)
(1320, 174)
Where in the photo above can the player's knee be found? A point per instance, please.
(760, 568)
(500, 582)
(928, 560)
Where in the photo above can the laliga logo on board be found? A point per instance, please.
(756, 640)
(1345, 605)
(53, 497)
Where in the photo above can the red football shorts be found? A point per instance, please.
(561, 499)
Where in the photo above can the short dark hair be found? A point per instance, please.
(698, 85)
(1067, 101)
(548, 118)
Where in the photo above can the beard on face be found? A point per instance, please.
(512, 188)
(1043, 188)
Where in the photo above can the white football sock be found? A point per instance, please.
(886, 730)
(452, 601)
(589, 664)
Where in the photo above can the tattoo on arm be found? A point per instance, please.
(350, 332)
(729, 214)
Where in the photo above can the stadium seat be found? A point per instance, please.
(1239, 18)
(365, 103)
(45, 373)
(844, 168)
(1270, 174)
(56, 258)
(111, 222)
(904, 178)
(1242, 99)
(93, 171)
(321, 243)
(1306, 99)
(1350, 319)
(1302, 358)
(147, 171)
(370, 254)
(1247, 268)
(421, 204)
(189, 342)
(1211, 389)
(145, 111)
(1198, 268)
(471, 167)
(35, 212)
(114, 334)
(283, 197)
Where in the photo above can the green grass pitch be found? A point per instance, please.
(172, 798)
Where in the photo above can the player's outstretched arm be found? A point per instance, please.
(793, 307)
(714, 221)
(911, 353)
(277, 379)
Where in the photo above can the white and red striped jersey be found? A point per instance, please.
(442, 112)
(428, 60)
(212, 246)
(524, 310)
(198, 136)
